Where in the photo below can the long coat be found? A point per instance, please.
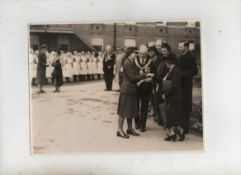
(174, 98)
(188, 67)
(100, 65)
(127, 106)
(162, 71)
(41, 68)
(33, 65)
(57, 73)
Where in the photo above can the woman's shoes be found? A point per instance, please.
(181, 135)
(132, 132)
(122, 134)
(171, 138)
(142, 129)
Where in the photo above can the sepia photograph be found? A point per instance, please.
(103, 87)
(116, 87)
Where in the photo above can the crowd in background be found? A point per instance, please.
(76, 66)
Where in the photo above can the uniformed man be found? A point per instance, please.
(108, 67)
(41, 67)
(144, 90)
(188, 67)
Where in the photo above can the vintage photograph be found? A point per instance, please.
(116, 87)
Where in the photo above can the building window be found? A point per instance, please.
(129, 42)
(34, 42)
(97, 43)
(191, 24)
(63, 43)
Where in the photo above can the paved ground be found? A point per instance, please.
(82, 118)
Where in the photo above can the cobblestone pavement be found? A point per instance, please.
(82, 119)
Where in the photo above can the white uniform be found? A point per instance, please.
(33, 65)
(100, 65)
(93, 65)
(68, 68)
(83, 66)
(76, 66)
(50, 68)
(89, 66)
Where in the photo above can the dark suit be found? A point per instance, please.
(57, 73)
(108, 69)
(174, 98)
(188, 67)
(144, 92)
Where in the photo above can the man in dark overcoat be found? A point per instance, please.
(108, 67)
(145, 65)
(41, 67)
(188, 67)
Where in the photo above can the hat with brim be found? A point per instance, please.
(130, 50)
(152, 48)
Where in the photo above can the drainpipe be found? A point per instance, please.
(114, 39)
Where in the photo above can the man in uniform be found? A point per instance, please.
(41, 67)
(144, 90)
(108, 67)
(188, 67)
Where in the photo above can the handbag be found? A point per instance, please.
(53, 73)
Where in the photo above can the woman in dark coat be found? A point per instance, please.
(171, 93)
(57, 74)
(127, 106)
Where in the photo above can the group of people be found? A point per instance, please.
(76, 66)
(154, 74)
(151, 74)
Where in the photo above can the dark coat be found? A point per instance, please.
(162, 71)
(146, 87)
(41, 68)
(109, 63)
(127, 105)
(173, 96)
(174, 92)
(57, 73)
(188, 67)
(130, 77)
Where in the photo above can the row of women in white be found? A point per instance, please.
(76, 63)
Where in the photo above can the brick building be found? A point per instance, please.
(96, 35)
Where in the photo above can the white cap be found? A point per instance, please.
(151, 44)
(143, 49)
(158, 43)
